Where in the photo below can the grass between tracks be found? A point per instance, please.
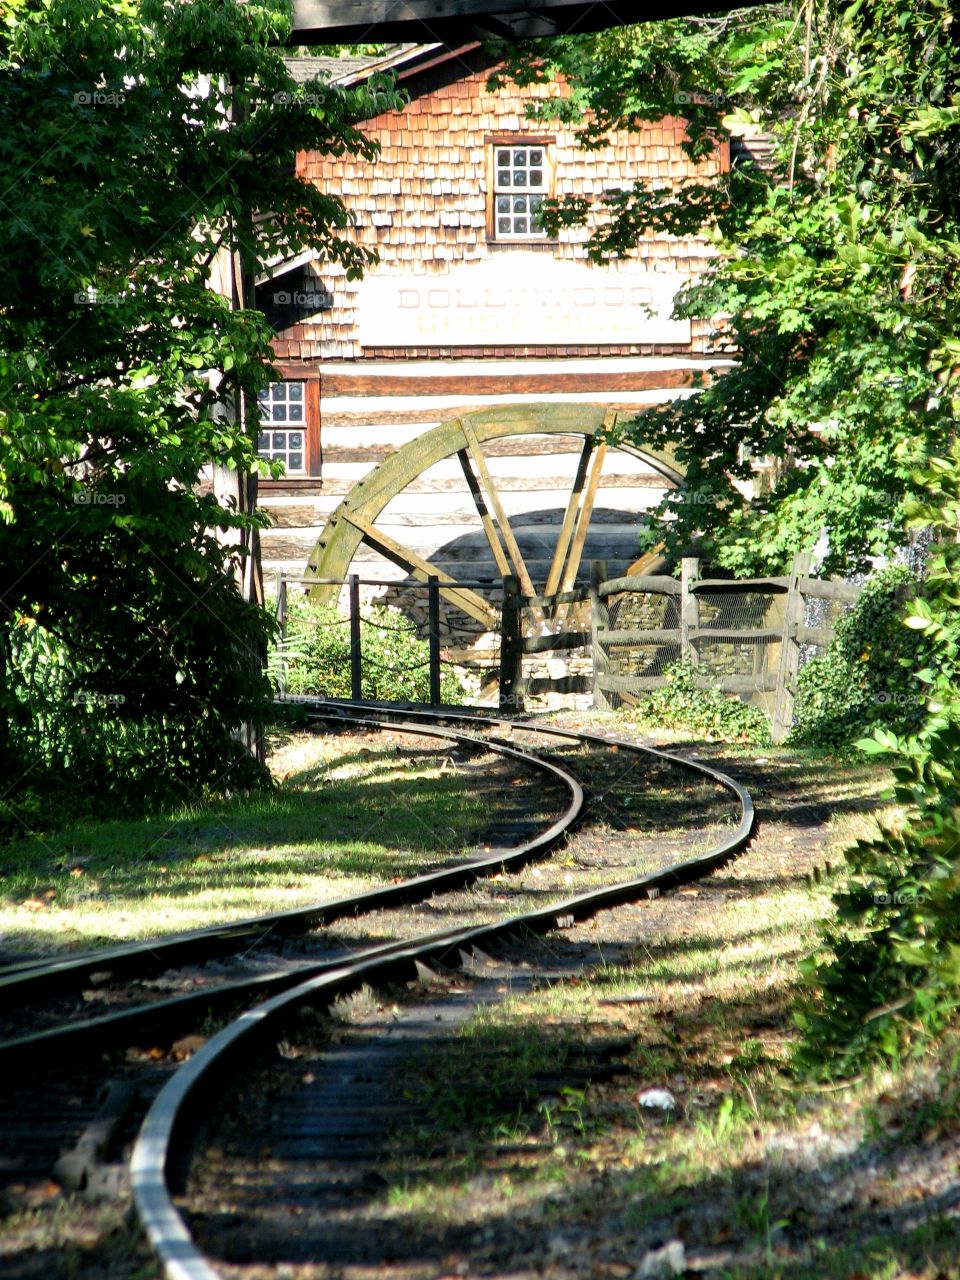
(348, 813)
(749, 1172)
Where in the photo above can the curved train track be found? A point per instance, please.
(164, 1138)
(32, 981)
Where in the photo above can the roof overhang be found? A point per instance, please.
(446, 21)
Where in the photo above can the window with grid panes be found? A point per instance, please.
(283, 426)
(521, 183)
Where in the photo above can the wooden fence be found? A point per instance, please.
(746, 635)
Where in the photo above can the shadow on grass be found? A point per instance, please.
(509, 1170)
(245, 855)
(319, 825)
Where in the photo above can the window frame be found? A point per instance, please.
(527, 141)
(313, 458)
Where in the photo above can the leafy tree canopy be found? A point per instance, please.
(143, 142)
(837, 275)
(835, 271)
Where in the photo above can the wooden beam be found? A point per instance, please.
(655, 583)
(578, 596)
(332, 13)
(730, 586)
(830, 589)
(689, 609)
(554, 643)
(350, 21)
(661, 636)
(733, 635)
(764, 683)
(820, 636)
(583, 517)
(586, 505)
(790, 649)
(569, 519)
(496, 547)
(503, 522)
(464, 599)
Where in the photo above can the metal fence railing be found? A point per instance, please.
(612, 641)
(382, 618)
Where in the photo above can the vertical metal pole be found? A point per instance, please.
(433, 624)
(511, 654)
(599, 621)
(282, 604)
(282, 640)
(356, 659)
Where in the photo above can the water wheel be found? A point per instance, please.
(474, 440)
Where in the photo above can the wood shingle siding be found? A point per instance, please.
(423, 205)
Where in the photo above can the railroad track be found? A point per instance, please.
(58, 982)
(165, 1135)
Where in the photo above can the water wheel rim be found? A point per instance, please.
(353, 523)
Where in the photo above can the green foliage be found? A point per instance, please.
(888, 978)
(315, 657)
(834, 272)
(627, 75)
(868, 678)
(836, 277)
(142, 143)
(704, 712)
(87, 739)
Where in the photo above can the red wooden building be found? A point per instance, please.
(474, 315)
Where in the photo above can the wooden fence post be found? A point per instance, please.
(790, 649)
(689, 609)
(511, 650)
(433, 628)
(356, 659)
(599, 621)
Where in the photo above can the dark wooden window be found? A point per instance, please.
(289, 430)
(520, 176)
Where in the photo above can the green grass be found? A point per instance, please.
(714, 1025)
(341, 819)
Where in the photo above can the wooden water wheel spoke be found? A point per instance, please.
(503, 522)
(472, 604)
(583, 518)
(576, 521)
(489, 528)
(569, 520)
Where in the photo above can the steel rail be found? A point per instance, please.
(102, 1032)
(332, 708)
(163, 1136)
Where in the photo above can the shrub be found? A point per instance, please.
(886, 981)
(867, 679)
(888, 978)
(704, 712)
(315, 657)
(83, 739)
